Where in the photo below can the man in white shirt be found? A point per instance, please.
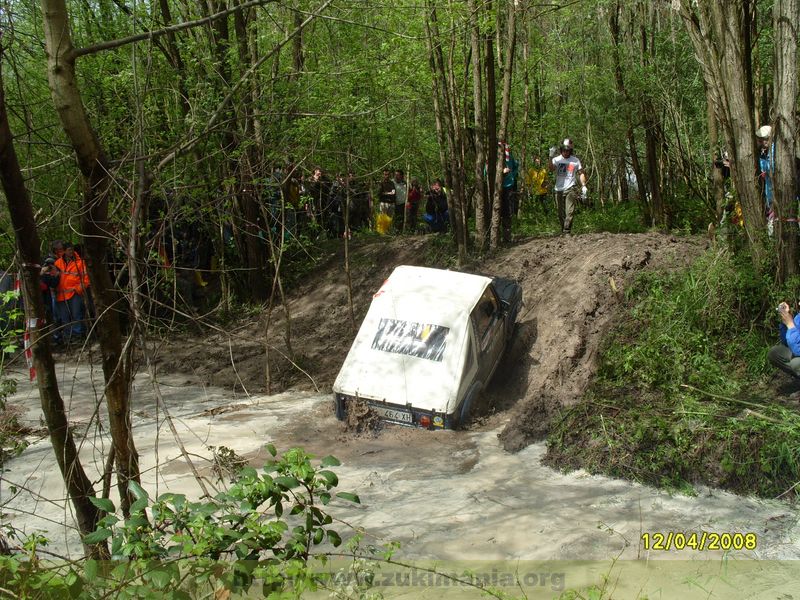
(401, 195)
(567, 167)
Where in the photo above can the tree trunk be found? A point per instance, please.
(298, 59)
(174, 57)
(526, 93)
(716, 155)
(457, 202)
(95, 168)
(508, 70)
(79, 488)
(619, 80)
(446, 105)
(658, 216)
(786, 19)
(652, 127)
(480, 133)
(438, 109)
(491, 118)
(720, 35)
(253, 222)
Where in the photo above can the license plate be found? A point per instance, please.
(403, 416)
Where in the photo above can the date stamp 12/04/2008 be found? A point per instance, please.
(703, 540)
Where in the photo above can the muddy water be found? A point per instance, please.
(443, 495)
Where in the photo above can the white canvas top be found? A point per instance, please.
(412, 345)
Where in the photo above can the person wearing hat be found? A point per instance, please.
(766, 168)
(567, 167)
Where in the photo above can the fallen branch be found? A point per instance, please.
(794, 485)
(724, 398)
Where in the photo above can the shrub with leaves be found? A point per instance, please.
(694, 327)
(259, 532)
(11, 432)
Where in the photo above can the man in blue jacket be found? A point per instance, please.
(786, 355)
(766, 165)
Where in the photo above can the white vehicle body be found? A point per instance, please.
(417, 348)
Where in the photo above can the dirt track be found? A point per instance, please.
(572, 287)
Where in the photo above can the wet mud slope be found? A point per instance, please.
(572, 289)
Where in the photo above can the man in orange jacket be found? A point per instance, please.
(73, 285)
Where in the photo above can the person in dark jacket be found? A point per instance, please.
(48, 282)
(436, 214)
(412, 205)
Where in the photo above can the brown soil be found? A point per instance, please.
(572, 289)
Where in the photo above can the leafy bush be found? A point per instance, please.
(693, 327)
(11, 442)
(259, 532)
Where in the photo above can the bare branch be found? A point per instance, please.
(150, 35)
(185, 147)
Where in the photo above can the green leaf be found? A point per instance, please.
(330, 477)
(103, 504)
(286, 482)
(161, 578)
(90, 569)
(348, 496)
(330, 461)
(108, 521)
(136, 521)
(137, 490)
(139, 505)
(98, 536)
(325, 497)
(271, 449)
(334, 538)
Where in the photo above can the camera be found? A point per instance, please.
(778, 308)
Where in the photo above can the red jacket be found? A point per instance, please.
(74, 278)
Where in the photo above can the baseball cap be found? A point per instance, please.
(566, 144)
(764, 132)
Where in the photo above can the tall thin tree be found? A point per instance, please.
(96, 170)
(79, 487)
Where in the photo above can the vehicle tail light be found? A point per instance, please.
(425, 421)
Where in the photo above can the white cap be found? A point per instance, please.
(764, 132)
(567, 143)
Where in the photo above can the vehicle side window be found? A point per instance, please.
(483, 314)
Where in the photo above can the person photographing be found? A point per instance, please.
(786, 355)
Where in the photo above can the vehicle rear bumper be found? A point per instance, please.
(405, 415)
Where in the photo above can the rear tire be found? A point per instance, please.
(339, 408)
(466, 408)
